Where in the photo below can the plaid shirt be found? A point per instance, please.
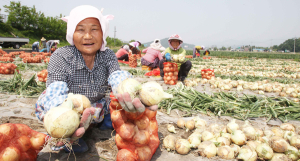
(67, 73)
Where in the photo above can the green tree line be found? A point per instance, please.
(288, 45)
(24, 21)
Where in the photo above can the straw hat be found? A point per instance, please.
(43, 39)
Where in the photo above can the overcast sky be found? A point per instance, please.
(199, 22)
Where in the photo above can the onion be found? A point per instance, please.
(253, 144)
(288, 134)
(225, 152)
(141, 123)
(207, 149)
(195, 139)
(246, 153)
(10, 154)
(80, 102)
(24, 143)
(287, 127)
(217, 129)
(142, 137)
(264, 151)
(171, 128)
(277, 131)
(279, 157)
(144, 153)
(129, 85)
(199, 123)
(278, 144)
(269, 133)
(190, 125)
(127, 155)
(200, 130)
(206, 135)
(37, 140)
(226, 135)
(223, 141)
(62, 121)
(169, 142)
(238, 137)
(127, 131)
(232, 126)
(151, 93)
(295, 141)
(259, 132)
(235, 148)
(182, 146)
(292, 153)
(249, 131)
(181, 123)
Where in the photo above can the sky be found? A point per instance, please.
(199, 22)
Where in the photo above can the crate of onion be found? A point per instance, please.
(207, 73)
(170, 73)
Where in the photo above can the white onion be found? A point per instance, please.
(206, 135)
(249, 131)
(235, 148)
(278, 144)
(238, 137)
(182, 146)
(277, 131)
(232, 126)
(253, 144)
(225, 152)
(292, 153)
(279, 157)
(62, 121)
(287, 127)
(207, 149)
(259, 132)
(151, 93)
(180, 123)
(169, 142)
(295, 141)
(129, 85)
(269, 133)
(288, 135)
(171, 128)
(190, 125)
(223, 141)
(226, 135)
(199, 123)
(247, 154)
(264, 151)
(195, 139)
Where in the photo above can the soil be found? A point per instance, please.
(16, 109)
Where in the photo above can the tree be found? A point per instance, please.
(215, 49)
(289, 45)
(131, 41)
(223, 48)
(229, 48)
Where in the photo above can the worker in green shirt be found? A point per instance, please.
(175, 53)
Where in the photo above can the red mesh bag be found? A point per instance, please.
(42, 75)
(19, 142)
(136, 133)
(133, 61)
(6, 59)
(7, 68)
(207, 73)
(170, 73)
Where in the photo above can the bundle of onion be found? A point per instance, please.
(133, 61)
(9, 55)
(32, 60)
(46, 60)
(23, 55)
(207, 73)
(170, 73)
(42, 75)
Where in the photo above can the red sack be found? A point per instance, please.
(170, 73)
(136, 133)
(207, 73)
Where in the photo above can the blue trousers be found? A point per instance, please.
(35, 48)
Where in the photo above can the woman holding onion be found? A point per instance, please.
(85, 67)
(176, 54)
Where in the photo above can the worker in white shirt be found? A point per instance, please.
(35, 46)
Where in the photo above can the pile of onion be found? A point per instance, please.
(170, 73)
(207, 73)
(7, 68)
(6, 59)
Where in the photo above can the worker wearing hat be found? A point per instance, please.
(43, 42)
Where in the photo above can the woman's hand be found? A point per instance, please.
(134, 105)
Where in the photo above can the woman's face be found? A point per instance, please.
(88, 36)
(175, 43)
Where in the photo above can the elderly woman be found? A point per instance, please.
(85, 67)
(122, 53)
(153, 54)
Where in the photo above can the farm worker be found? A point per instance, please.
(50, 44)
(153, 54)
(86, 67)
(122, 54)
(175, 48)
(35, 46)
(196, 51)
(43, 41)
(134, 47)
(206, 52)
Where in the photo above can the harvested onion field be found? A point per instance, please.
(263, 92)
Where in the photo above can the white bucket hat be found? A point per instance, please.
(82, 12)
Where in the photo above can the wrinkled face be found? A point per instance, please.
(88, 36)
(175, 43)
